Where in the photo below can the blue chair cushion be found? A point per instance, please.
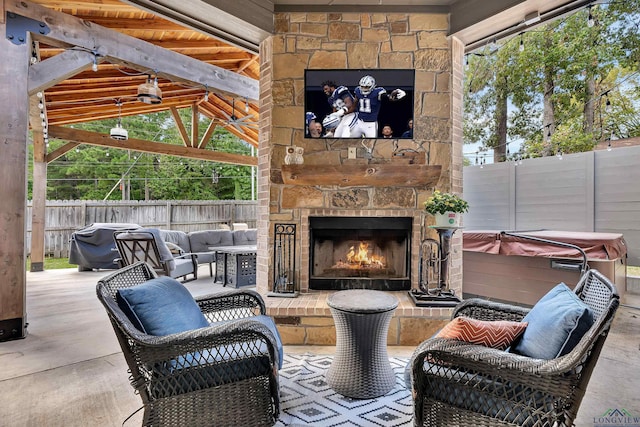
(556, 324)
(161, 306)
(256, 350)
(231, 351)
(269, 323)
(211, 368)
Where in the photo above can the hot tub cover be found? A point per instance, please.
(94, 247)
(596, 245)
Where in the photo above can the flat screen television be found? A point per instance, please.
(396, 113)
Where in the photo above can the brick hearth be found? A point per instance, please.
(306, 320)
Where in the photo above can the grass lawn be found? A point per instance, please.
(53, 263)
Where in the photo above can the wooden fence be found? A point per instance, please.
(63, 217)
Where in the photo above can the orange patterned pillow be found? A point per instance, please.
(497, 333)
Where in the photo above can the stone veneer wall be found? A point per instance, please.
(355, 41)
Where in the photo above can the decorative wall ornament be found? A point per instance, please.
(289, 157)
(294, 155)
(298, 155)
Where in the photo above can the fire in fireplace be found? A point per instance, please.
(359, 253)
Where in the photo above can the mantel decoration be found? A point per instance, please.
(294, 155)
(447, 208)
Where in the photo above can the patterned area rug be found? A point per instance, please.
(307, 400)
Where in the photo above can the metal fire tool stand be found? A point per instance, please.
(434, 271)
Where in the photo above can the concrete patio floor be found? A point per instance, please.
(69, 371)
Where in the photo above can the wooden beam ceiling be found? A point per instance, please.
(92, 138)
(130, 45)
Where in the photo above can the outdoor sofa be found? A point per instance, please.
(201, 242)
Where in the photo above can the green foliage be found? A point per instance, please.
(440, 203)
(557, 86)
(95, 173)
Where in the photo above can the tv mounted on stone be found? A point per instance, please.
(396, 113)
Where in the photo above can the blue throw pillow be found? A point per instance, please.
(161, 306)
(556, 324)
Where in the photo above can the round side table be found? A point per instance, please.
(361, 368)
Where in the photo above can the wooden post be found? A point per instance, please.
(168, 223)
(14, 110)
(39, 197)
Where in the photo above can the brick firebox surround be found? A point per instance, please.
(355, 41)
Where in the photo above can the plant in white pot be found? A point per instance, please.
(447, 208)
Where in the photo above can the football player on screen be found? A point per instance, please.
(344, 121)
(369, 98)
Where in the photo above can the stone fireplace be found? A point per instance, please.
(386, 181)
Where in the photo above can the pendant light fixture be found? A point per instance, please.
(118, 132)
(149, 92)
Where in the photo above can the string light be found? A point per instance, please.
(521, 47)
(590, 21)
(94, 66)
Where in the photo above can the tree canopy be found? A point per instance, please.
(558, 88)
(97, 173)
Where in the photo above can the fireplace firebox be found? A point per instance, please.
(360, 253)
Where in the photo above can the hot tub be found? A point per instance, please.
(503, 267)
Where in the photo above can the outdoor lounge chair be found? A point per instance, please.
(146, 244)
(458, 383)
(223, 373)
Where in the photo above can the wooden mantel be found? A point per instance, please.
(353, 175)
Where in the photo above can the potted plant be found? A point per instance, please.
(447, 208)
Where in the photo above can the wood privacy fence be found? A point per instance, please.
(594, 191)
(63, 217)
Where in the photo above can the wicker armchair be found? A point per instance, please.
(146, 244)
(223, 375)
(461, 384)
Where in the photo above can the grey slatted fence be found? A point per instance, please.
(593, 191)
